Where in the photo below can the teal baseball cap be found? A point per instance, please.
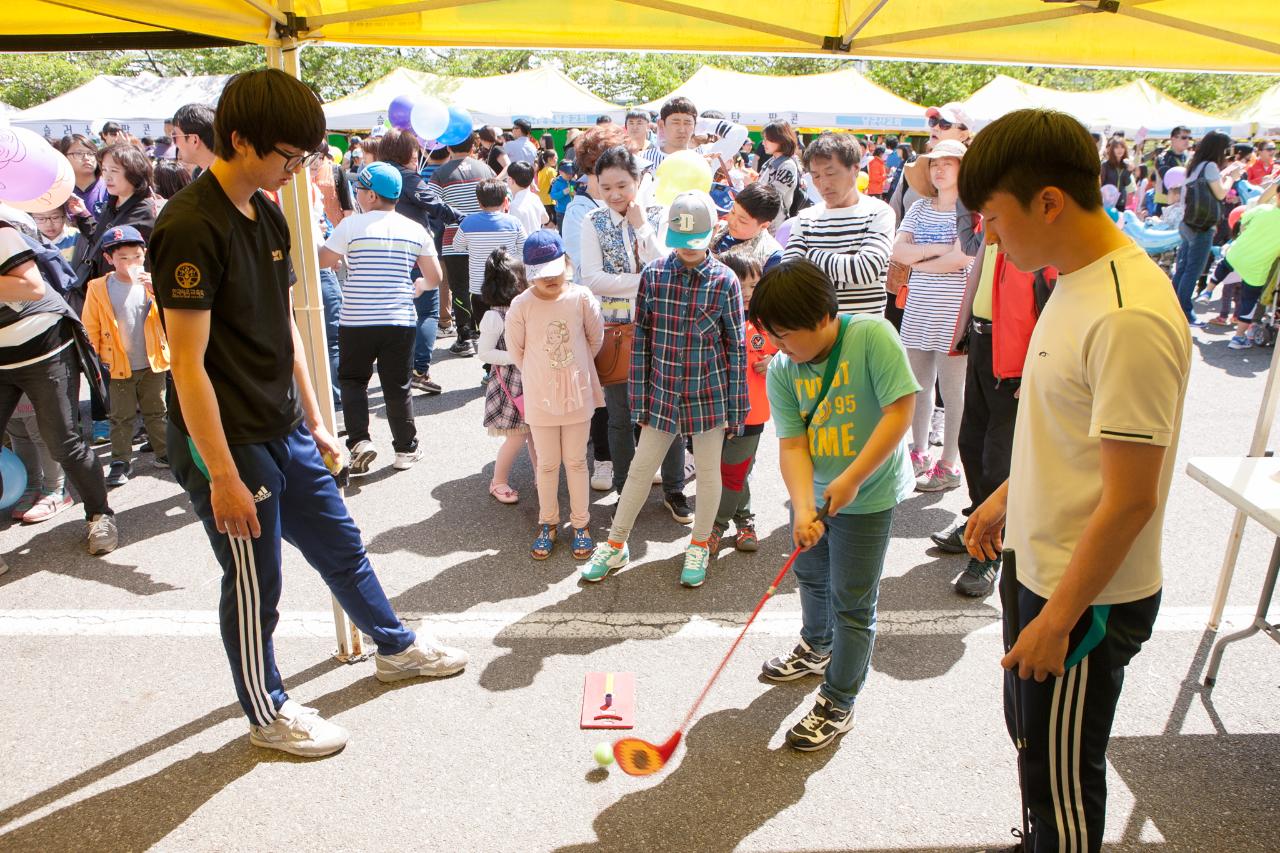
(382, 178)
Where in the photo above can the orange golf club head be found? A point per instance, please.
(638, 757)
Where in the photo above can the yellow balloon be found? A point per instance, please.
(336, 153)
(682, 172)
(864, 181)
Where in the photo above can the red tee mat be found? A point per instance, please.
(609, 700)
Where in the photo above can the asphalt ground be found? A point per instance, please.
(119, 730)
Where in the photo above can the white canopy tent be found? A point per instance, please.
(141, 105)
(838, 99)
(545, 96)
(1261, 114)
(1129, 108)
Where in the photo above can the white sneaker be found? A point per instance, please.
(406, 460)
(103, 536)
(299, 730)
(362, 456)
(690, 468)
(426, 657)
(602, 477)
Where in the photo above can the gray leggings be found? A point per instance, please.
(649, 453)
(949, 371)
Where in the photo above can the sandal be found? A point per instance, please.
(503, 493)
(583, 546)
(544, 542)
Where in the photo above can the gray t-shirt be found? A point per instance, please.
(131, 304)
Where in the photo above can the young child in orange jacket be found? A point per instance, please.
(739, 454)
(123, 323)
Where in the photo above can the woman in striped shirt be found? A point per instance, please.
(928, 242)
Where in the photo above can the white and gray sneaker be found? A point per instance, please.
(404, 461)
(362, 456)
(802, 661)
(820, 726)
(426, 657)
(299, 730)
(103, 536)
(602, 477)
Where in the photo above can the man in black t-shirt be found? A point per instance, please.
(246, 434)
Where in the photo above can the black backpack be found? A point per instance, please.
(1201, 208)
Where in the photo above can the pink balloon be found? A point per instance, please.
(53, 197)
(28, 164)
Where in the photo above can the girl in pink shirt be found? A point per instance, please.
(553, 331)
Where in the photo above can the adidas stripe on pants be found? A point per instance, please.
(298, 502)
(1067, 724)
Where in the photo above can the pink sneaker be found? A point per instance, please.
(920, 463)
(47, 507)
(939, 478)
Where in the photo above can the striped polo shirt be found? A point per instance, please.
(455, 183)
(480, 233)
(382, 248)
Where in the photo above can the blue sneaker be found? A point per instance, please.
(101, 432)
(1239, 342)
(543, 542)
(606, 559)
(694, 572)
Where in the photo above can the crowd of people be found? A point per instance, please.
(875, 302)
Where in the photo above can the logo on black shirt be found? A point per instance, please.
(187, 275)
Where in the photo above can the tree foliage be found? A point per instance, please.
(623, 78)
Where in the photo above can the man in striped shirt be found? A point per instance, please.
(848, 236)
(676, 124)
(479, 234)
(455, 183)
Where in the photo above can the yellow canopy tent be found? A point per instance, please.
(1120, 33)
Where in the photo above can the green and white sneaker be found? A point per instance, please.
(299, 730)
(820, 727)
(606, 559)
(694, 572)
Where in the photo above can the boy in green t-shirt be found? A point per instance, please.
(841, 426)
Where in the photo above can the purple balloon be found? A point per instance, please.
(28, 164)
(400, 111)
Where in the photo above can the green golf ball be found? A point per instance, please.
(603, 754)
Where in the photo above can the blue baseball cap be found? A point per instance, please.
(382, 178)
(543, 255)
(122, 235)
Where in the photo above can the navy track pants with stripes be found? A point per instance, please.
(1067, 723)
(298, 502)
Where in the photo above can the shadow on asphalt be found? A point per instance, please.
(139, 814)
(1243, 363)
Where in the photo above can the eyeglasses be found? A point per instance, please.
(83, 155)
(305, 159)
(49, 217)
(940, 123)
(1184, 138)
(178, 135)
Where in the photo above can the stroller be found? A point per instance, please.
(1160, 243)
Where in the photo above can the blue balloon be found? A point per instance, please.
(460, 127)
(400, 112)
(13, 478)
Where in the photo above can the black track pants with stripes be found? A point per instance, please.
(1067, 722)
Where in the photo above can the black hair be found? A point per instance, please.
(761, 201)
(522, 173)
(1025, 151)
(879, 149)
(491, 192)
(465, 146)
(197, 119)
(1180, 129)
(890, 142)
(793, 296)
(842, 147)
(147, 142)
(548, 142)
(545, 156)
(781, 134)
(1243, 150)
(438, 155)
(715, 114)
(170, 176)
(642, 115)
(603, 119)
(743, 265)
(487, 134)
(523, 124)
(267, 107)
(503, 279)
(617, 157)
(64, 145)
(111, 127)
(1213, 148)
(678, 105)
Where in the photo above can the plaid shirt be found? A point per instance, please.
(688, 361)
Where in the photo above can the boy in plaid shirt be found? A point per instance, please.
(688, 377)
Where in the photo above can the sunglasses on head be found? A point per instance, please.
(940, 123)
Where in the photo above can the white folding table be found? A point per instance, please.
(1252, 486)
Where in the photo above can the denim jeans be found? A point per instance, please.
(428, 305)
(622, 444)
(1193, 257)
(839, 582)
(331, 298)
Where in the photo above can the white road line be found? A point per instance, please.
(543, 624)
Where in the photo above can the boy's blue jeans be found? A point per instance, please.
(839, 580)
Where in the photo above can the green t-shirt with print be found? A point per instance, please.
(872, 372)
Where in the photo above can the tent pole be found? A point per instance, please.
(308, 312)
